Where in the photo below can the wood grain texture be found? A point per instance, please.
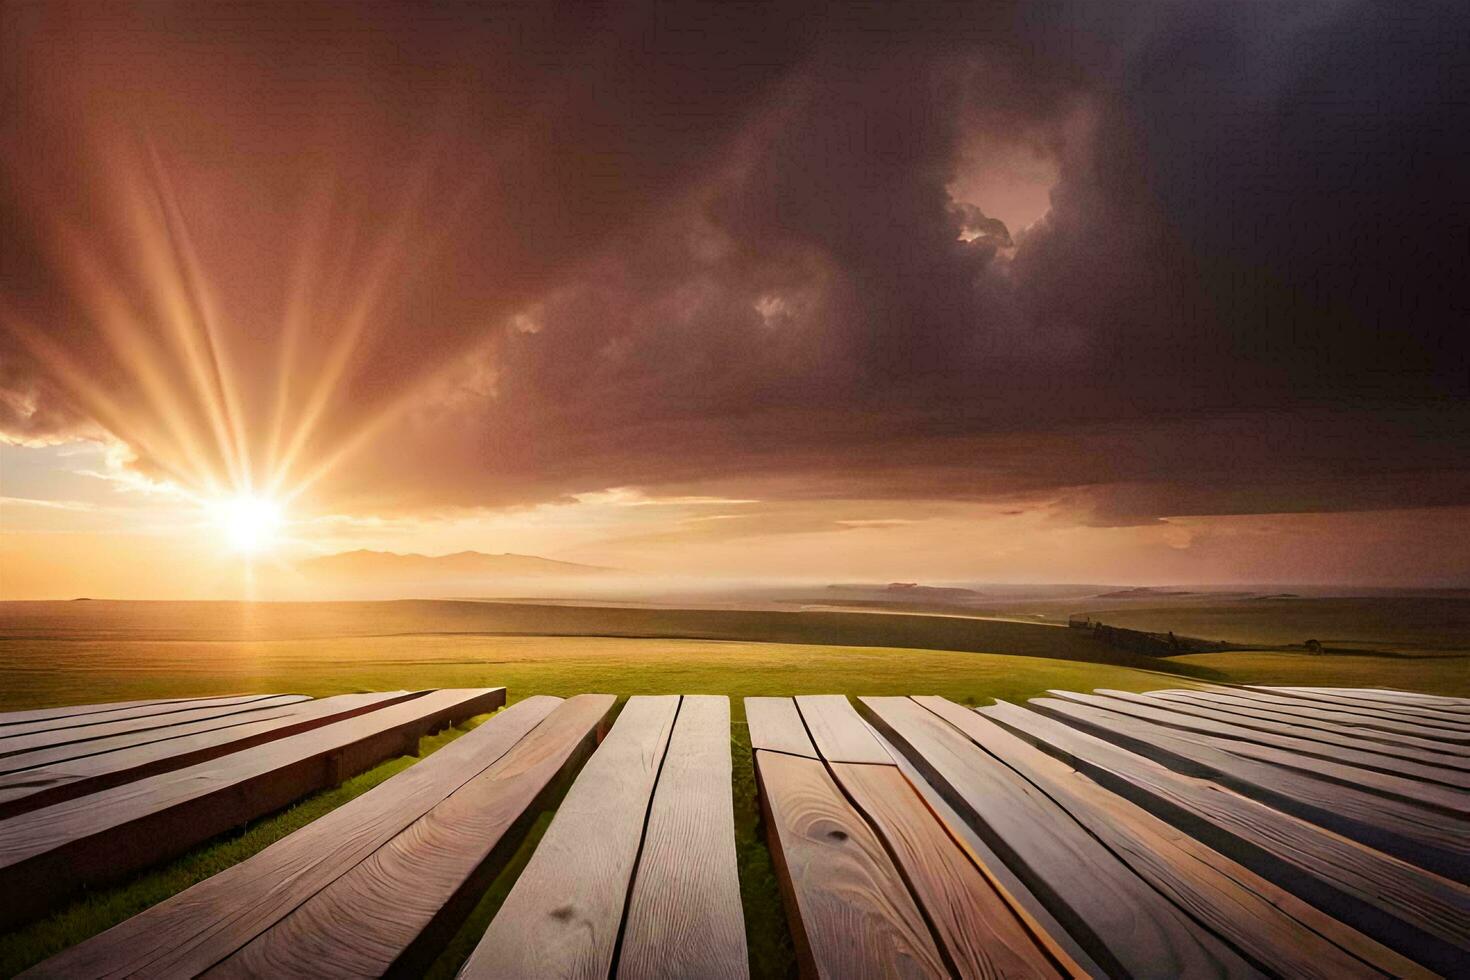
(13, 747)
(838, 730)
(1123, 923)
(776, 726)
(1399, 905)
(563, 916)
(851, 913)
(684, 917)
(185, 935)
(1048, 932)
(1241, 711)
(1423, 837)
(66, 779)
(1413, 713)
(1382, 693)
(1343, 750)
(1423, 755)
(1287, 754)
(391, 913)
(978, 931)
(1274, 928)
(48, 853)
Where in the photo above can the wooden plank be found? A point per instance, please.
(851, 914)
(392, 913)
(1385, 695)
(979, 932)
(838, 730)
(33, 715)
(1265, 723)
(1040, 923)
(131, 712)
(684, 915)
(183, 936)
(1285, 754)
(1124, 924)
(1418, 835)
(1274, 711)
(1276, 930)
(1366, 718)
(48, 853)
(1396, 903)
(775, 725)
(70, 777)
(1408, 711)
(14, 748)
(1345, 751)
(563, 916)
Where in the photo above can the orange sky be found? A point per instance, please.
(729, 292)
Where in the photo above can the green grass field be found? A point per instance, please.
(58, 659)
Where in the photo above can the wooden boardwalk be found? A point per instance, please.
(1209, 832)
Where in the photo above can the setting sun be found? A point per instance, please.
(251, 524)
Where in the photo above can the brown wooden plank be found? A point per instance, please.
(978, 930)
(1239, 707)
(851, 914)
(775, 725)
(185, 935)
(1343, 750)
(838, 730)
(684, 914)
(1124, 924)
(1399, 905)
(48, 853)
(1279, 932)
(1418, 835)
(14, 748)
(136, 712)
(69, 777)
(981, 931)
(1363, 718)
(563, 916)
(392, 913)
(1040, 922)
(31, 716)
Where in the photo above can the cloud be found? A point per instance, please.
(710, 254)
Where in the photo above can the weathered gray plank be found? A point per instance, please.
(47, 853)
(838, 731)
(684, 914)
(1401, 906)
(183, 936)
(563, 915)
(71, 776)
(775, 725)
(1457, 709)
(851, 915)
(1362, 718)
(1240, 707)
(1414, 771)
(1274, 928)
(391, 914)
(1418, 835)
(1127, 926)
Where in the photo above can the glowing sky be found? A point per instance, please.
(1034, 292)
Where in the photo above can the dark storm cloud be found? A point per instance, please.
(672, 245)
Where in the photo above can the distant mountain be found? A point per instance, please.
(907, 592)
(383, 566)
